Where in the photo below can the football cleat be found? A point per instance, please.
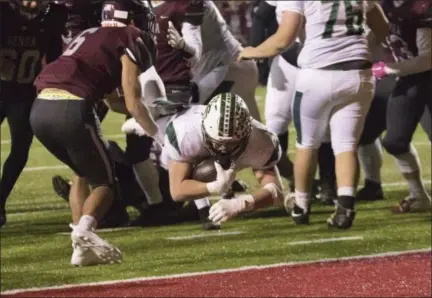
(89, 249)
(300, 216)
(61, 187)
(371, 191)
(2, 216)
(342, 218)
(411, 204)
(207, 224)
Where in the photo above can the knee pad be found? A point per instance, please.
(395, 147)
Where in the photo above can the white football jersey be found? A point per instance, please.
(220, 47)
(335, 31)
(184, 141)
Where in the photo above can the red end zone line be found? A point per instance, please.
(406, 273)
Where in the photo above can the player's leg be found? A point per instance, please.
(426, 122)
(244, 74)
(280, 88)
(3, 106)
(353, 92)
(370, 150)
(62, 185)
(79, 134)
(212, 83)
(404, 110)
(17, 113)
(327, 173)
(311, 108)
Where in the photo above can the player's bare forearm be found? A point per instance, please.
(284, 37)
(378, 23)
(189, 190)
(181, 187)
(271, 191)
(132, 94)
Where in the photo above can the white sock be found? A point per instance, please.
(410, 163)
(302, 200)
(148, 179)
(87, 222)
(202, 203)
(346, 191)
(370, 157)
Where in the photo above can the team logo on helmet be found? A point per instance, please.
(226, 126)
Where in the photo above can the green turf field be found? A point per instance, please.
(34, 254)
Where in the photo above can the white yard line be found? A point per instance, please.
(204, 235)
(104, 230)
(325, 240)
(45, 168)
(240, 269)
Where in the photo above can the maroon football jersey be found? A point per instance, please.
(24, 43)
(171, 63)
(91, 67)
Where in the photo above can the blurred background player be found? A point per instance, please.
(70, 86)
(30, 37)
(218, 71)
(178, 46)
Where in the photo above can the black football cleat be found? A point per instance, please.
(300, 216)
(61, 187)
(207, 224)
(371, 191)
(343, 217)
(2, 216)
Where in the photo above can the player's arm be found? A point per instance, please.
(182, 187)
(116, 103)
(377, 22)
(189, 42)
(421, 63)
(271, 192)
(287, 32)
(132, 94)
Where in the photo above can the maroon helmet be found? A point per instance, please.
(129, 12)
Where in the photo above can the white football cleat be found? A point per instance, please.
(289, 202)
(90, 249)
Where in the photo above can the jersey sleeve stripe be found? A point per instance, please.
(172, 137)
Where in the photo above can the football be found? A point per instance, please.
(205, 171)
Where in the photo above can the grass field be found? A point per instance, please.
(35, 254)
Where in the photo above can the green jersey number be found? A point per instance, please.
(354, 19)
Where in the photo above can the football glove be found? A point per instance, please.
(223, 181)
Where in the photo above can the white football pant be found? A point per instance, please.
(280, 90)
(336, 99)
